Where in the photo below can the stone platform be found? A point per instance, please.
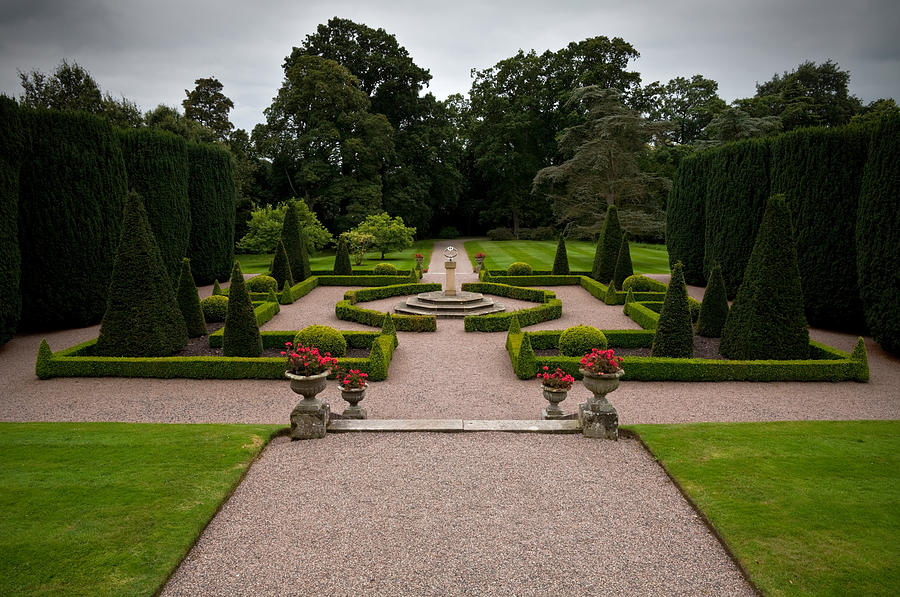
(439, 304)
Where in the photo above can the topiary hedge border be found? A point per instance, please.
(346, 310)
(550, 307)
(826, 363)
(77, 361)
(263, 311)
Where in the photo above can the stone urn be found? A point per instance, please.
(354, 396)
(599, 418)
(309, 419)
(419, 261)
(479, 264)
(554, 396)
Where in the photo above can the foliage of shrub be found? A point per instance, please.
(384, 269)
(766, 320)
(624, 268)
(581, 339)
(518, 268)
(878, 236)
(561, 259)
(539, 233)
(534, 295)
(714, 308)
(342, 265)
(293, 244)
(346, 311)
(674, 331)
(499, 322)
(262, 283)
(534, 280)
(267, 221)
(686, 216)
(11, 147)
(607, 247)
(212, 195)
(448, 232)
(142, 316)
(380, 292)
(241, 336)
(501, 234)
(389, 234)
(189, 302)
(281, 267)
(72, 192)
(263, 311)
(325, 338)
(157, 166)
(639, 283)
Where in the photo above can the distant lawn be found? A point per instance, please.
(111, 508)
(809, 508)
(324, 260)
(646, 258)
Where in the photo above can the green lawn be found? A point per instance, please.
(809, 508)
(111, 508)
(646, 259)
(324, 260)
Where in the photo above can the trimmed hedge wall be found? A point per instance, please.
(381, 292)
(263, 311)
(212, 197)
(157, 165)
(534, 295)
(10, 259)
(297, 291)
(537, 279)
(499, 322)
(72, 190)
(347, 311)
(686, 216)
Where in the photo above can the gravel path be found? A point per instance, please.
(456, 514)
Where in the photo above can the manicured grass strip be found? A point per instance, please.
(324, 260)
(111, 508)
(647, 259)
(808, 508)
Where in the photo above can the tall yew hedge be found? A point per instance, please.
(878, 236)
(157, 166)
(686, 217)
(72, 190)
(212, 197)
(10, 259)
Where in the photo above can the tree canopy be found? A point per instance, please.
(207, 105)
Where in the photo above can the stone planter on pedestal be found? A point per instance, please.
(309, 419)
(554, 396)
(598, 417)
(479, 264)
(354, 397)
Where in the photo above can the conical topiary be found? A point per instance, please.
(674, 332)
(389, 328)
(281, 267)
(189, 302)
(561, 260)
(611, 297)
(142, 317)
(767, 319)
(305, 270)
(607, 246)
(526, 367)
(624, 268)
(293, 243)
(714, 308)
(342, 266)
(242, 337)
(216, 288)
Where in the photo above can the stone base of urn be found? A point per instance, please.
(306, 424)
(599, 420)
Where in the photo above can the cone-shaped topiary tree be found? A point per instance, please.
(242, 337)
(342, 266)
(305, 270)
(714, 308)
(189, 301)
(624, 268)
(526, 367)
(674, 332)
(216, 288)
(767, 320)
(607, 246)
(281, 267)
(388, 327)
(293, 243)
(561, 260)
(142, 317)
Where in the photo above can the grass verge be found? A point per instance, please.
(111, 508)
(808, 508)
(539, 254)
(324, 260)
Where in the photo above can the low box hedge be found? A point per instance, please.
(537, 280)
(346, 311)
(535, 295)
(78, 361)
(646, 313)
(499, 322)
(381, 292)
(401, 273)
(298, 290)
(357, 280)
(264, 311)
(827, 363)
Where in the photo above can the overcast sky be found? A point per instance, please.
(151, 51)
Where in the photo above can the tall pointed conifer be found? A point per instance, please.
(607, 247)
(281, 267)
(675, 332)
(242, 337)
(561, 260)
(189, 301)
(293, 243)
(624, 268)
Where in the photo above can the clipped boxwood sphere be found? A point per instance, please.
(384, 269)
(518, 269)
(262, 284)
(579, 340)
(214, 308)
(640, 283)
(326, 339)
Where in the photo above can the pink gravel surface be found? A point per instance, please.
(456, 514)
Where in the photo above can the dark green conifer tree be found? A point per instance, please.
(142, 317)
(242, 337)
(561, 260)
(714, 308)
(305, 270)
(767, 319)
(292, 241)
(607, 247)
(342, 265)
(189, 302)
(10, 259)
(281, 267)
(675, 332)
(624, 268)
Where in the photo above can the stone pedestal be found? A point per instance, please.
(310, 424)
(450, 284)
(599, 420)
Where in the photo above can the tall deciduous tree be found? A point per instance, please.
(390, 234)
(207, 105)
(688, 105)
